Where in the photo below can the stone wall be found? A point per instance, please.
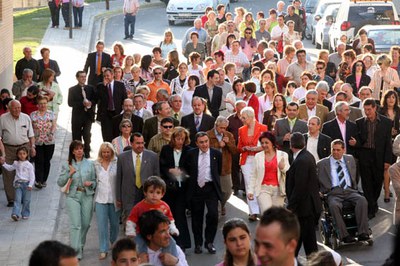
(6, 44)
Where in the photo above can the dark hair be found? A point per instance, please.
(194, 33)
(235, 82)
(283, 99)
(338, 142)
(268, 135)
(44, 49)
(166, 120)
(250, 86)
(149, 221)
(341, 93)
(384, 105)
(79, 72)
(321, 258)
(290, 227)
(49, 253)
(22, 148)
(220, 53)
(135, 134)
(145, 62)
(353, 68)
(199, 135)
(300, 51)
(156, 182)
(261, 14)
(100, 43)
(195, 78)
(211, 73)
(74, 145)
(362, 32)
(230, 225)
(34, 90)
(5, 91)
(231, 35)
(297, 140)
(156, 49)
(123, 244)
(370, 101)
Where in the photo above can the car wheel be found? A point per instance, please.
(171, 22)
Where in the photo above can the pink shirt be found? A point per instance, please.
(342, 127)
(248, 51)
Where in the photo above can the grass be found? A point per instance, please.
(29, 28)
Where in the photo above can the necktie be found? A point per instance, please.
(340, 174)
(110, 98)
(197, 123)
(176, 116)
(138, 181)
(98, 70)
(138, 113)
(201, 178)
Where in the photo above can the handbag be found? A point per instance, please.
(65, 188)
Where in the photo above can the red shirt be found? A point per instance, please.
(255, 104)
(271, 172)
(144, 206)
(28, 105)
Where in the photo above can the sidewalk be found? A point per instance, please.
(18, 239)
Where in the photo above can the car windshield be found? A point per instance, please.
(380, 13)
(331, 10)
(311, 5)
(385, 37)
(322, 7)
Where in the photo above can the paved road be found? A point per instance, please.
(150, 26)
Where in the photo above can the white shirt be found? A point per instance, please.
(24, 171)
(299, 93)
(312, 146)
(277, 31)
(295, 154)
(155, 260)
(240, 58)
(335, 178)
(311, 112)
(205, 164)
(104, 191)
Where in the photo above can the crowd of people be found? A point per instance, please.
(247, 111)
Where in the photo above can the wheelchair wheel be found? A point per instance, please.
(334, 241)
(370, 242)
(323, 233)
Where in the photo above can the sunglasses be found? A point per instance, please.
(248, 32)
(360, 65)
(157, 73)
(320, 68)
(167, 127)
(126, 125)
(379, 64)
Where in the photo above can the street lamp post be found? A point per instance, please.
(70, 19)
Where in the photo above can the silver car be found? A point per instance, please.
(323, 26)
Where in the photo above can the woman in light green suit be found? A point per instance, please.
(79, 200)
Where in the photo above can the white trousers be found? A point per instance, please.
(248, 172)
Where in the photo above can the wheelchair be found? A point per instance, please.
(328, 231)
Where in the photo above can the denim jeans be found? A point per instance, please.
(130, 20)
(22, 199)
(78, 11)
(107, 224)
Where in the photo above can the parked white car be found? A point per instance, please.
(189, 10)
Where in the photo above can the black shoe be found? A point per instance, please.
(363, 237)
(236, 192)
(126, 38)
(371, 215)
(349, 239)
(38, 185)
(10, 204)
(210, 247)
(131, 37)
(198, 250)
(44, 184)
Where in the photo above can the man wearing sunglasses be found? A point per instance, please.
(162, 138)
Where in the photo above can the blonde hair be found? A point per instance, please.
(103, 146)
(168, 32)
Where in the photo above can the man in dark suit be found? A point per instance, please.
(211, 92)
(129, 190)
(111, 96)
(337, 178)
(137, 121)
(198, 120)
(204, 165)
(302, 191)
(82, 98)
(318, 144)
(276, 238)
(342, 128)
(151, 125)
(284, 127)
(375, 156)
(97, 62)
(355, 112)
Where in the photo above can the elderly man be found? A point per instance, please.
(318, 144)
(154, 229)
(211, 92)
(355, 113)
(294, 70)
(139, 103)
(151, 125)
(341, 127)
(157, 83)
(175, 101)
(336, 57)
(298, 22)
(337, 177)
(164, 137)
(127, 108)
(27, 62)
(223, 140)
(226, 88)
(238, 58)
(312, 108)
(196, 28)
(280, 8)
(322, 88)
(346, 88)
(20, 87)
(15, 131)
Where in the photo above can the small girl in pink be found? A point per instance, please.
(154, 189)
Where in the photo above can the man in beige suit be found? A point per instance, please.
(312, 108)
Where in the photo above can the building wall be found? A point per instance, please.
(29, 3)
(6, 44)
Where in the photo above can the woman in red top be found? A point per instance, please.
(251, 99)
(267, 183)
(29, 102)
(248, 147)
